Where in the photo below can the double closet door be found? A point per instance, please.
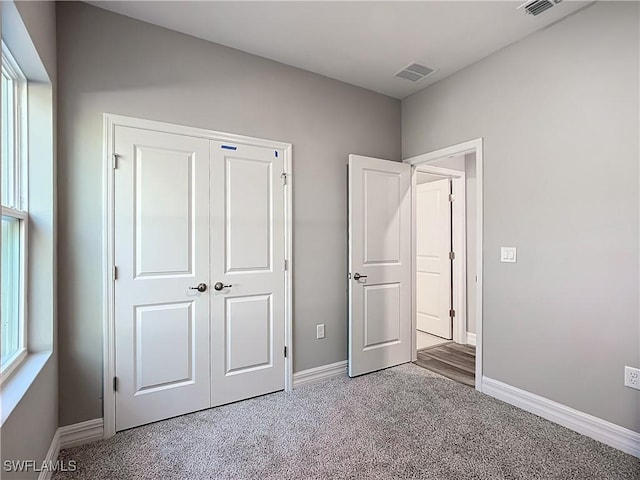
(200, 286)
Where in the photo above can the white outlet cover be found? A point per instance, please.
(632, 377)
(320, 331)
(508, 254)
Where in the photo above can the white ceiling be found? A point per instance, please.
(362, 43)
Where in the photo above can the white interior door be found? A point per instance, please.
(247, 258)
(379, 264)
(433, 265)
(161, 251)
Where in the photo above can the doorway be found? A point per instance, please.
(459, 355)
(434, 274)
(441, 270)
(381, 263)
(198, 240)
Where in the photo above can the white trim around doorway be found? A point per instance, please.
(110, 121)
(472, 146)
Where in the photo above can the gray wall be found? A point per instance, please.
(29, 429)
(452, 163)
(559, 112)
(110, 63)
(426, 178)
(27, 433)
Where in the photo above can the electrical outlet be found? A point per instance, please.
(632, 377)
(320, 331)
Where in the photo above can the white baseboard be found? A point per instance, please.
(471, 339)
(81, 433)
(606, 432)
(71, 436)
(319, 374)
(52, 457)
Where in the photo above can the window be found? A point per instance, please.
(13, 346)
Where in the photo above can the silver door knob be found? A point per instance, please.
(219, 286)
(357, 276)
(201, 287)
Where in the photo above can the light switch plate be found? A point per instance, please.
(508, 254)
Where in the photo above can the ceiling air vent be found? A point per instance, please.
(415, 72)
(538, 6)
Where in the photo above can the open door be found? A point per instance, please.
(433, 262)
(379, 264)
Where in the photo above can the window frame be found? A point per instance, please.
(18, 208)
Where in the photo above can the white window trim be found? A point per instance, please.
(20, 355)
(21, 132)
(20, 185)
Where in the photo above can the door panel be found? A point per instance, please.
(247, 235)
(382, 314)
(161, 250)
(248, 327)
(164, 345)
(249, 225)
(379, 251)
(381, 195)
(433, 266)
(164, 223)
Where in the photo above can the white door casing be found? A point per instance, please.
(248, 253)
(161, 250)
(433, 265)
(380, 333)
(172, 188)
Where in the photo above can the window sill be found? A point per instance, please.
(16, 386)
(14, 365)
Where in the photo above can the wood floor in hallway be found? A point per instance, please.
(452, 360)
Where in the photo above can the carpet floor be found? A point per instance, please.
(400, 423)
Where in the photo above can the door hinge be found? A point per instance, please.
(115, 384)
(285, 352)
(115, 160)
(452, 197)
(284, 178)
(286, 265)
(115, 272)
(452, 255)
(452, 313)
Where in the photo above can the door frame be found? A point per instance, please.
(423, 160)
(110, 122)
(459, 240)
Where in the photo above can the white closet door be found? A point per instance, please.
(247, 263)
(161, 252)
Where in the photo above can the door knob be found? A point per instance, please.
(357, 276)
(201, 287)
(219, 286)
